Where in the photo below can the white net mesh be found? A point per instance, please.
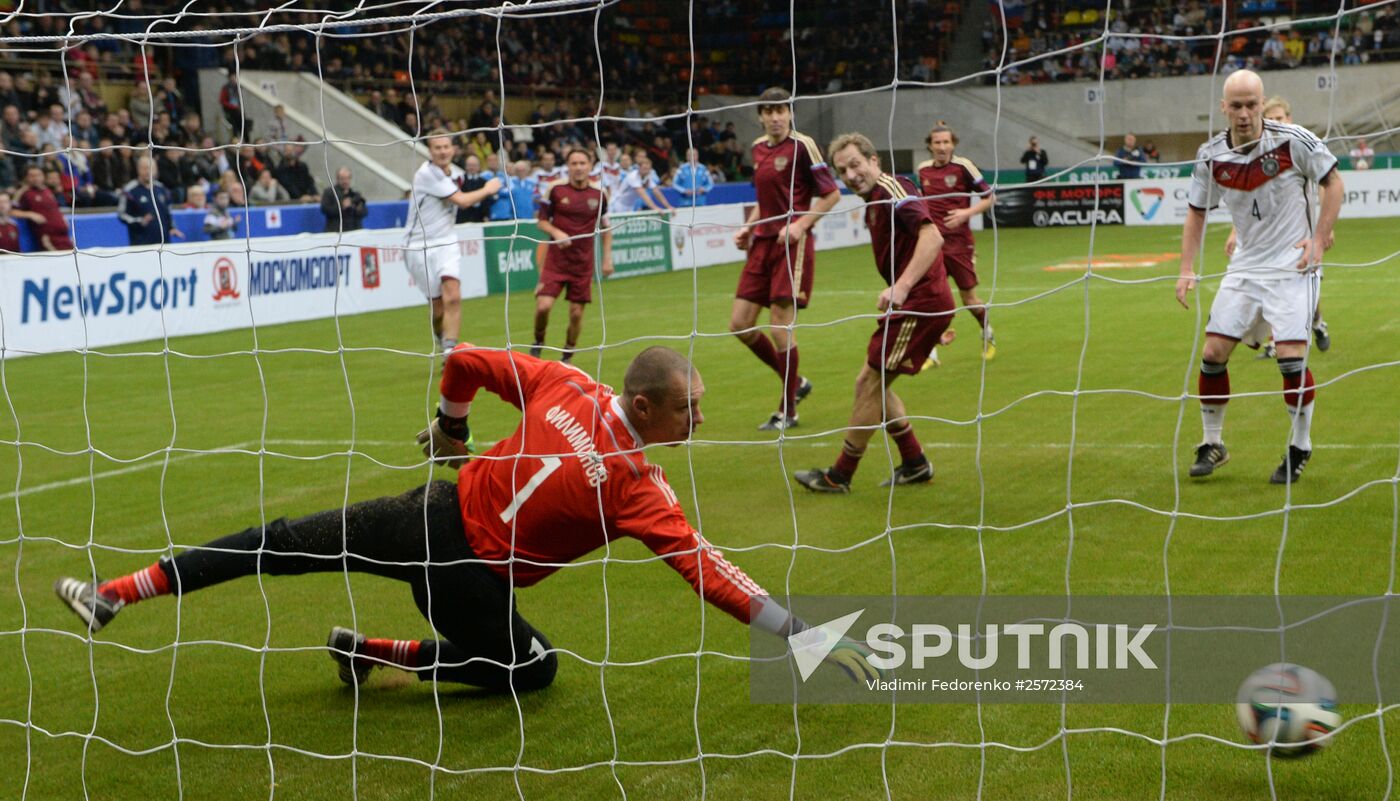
(280, 386)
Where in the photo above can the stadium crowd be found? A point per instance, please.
(1038, 30)
(55, 113)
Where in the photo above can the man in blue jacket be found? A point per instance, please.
(693, 180)
(144, 205)
(516, 201)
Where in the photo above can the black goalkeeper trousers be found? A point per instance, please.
(411, 538)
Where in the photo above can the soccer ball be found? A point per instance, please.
(1289, 706)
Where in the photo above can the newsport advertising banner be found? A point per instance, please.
(105, 296)
(54, 302)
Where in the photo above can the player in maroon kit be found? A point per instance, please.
(572, 477)
(917, 308)
(790, 177)
(950, 182)
(571, 213)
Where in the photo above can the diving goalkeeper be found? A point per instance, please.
(572, 477)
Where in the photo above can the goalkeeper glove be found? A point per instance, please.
(447, 440)
(854, 658)
(821, 644)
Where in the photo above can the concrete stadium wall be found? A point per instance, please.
(1179, 112)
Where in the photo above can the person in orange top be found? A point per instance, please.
(573, 477)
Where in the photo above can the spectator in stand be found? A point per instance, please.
(641, 189)
(485, 114)
(345, 209)
(77, 178)
(162, 135)
(51, 128)
(9, 96)
(403, 106)
(231, 101)
(294, 176)
(206, 164)
(38, 204)
(12, 125)
(168, 99)
(1362, 155)
(219, 223)
(110, 165)
(114, 128)
(1130, 158)
(547, 171)
(237, 195)
(9, 229)
(83, 128)
(386, 111)
(140, 104)
(1035, 160)
(268, 190)
(277, 126)
(53, 179)
(1149, 149)
(517, 200)
(1273, 53)
(473, 179)
(144, 205)
(479, 146)
(692, 180)
(170, 172)
(250, 162)
(196, 198)
(633, 113)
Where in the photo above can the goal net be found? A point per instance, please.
(245, 340)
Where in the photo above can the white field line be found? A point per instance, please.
(1052, 446)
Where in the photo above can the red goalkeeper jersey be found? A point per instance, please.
(571, 479)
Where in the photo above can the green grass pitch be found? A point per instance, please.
(229, 694)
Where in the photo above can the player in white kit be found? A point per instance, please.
(1260, 170)
(430, 242)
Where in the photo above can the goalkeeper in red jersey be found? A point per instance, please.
(572, 477)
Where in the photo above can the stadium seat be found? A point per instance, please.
(1073, 18)
(1090, 16)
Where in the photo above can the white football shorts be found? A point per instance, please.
(429, 265)
(1250, 309)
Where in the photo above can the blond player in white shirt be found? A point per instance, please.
(430, 242)
(1260, 170)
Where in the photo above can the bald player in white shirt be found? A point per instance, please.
(1260, 170)
(1278, 110)
(430, 242)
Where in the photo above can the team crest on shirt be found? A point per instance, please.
(593, 204)
(564, 200)
(950, 181)
(780, 162)
(1269, 165)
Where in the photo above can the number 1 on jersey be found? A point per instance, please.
(548, 465)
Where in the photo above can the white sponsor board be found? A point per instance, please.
(1369, 193)
(110, 296)
(704, 236)
(101, 297)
